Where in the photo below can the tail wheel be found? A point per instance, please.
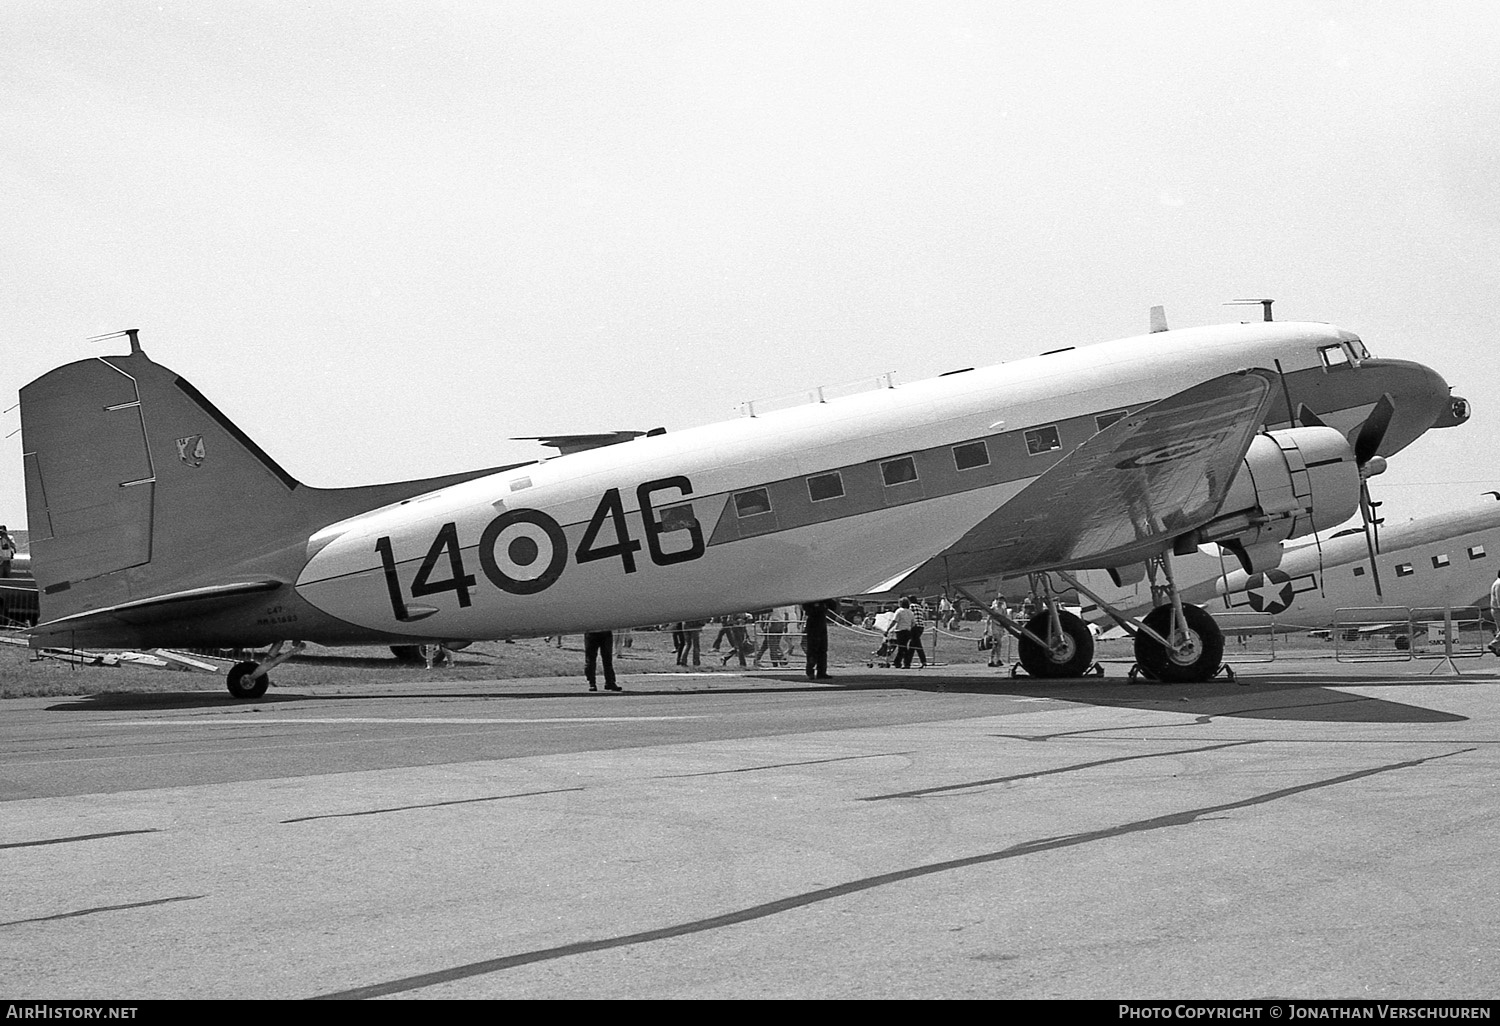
(1197, 656)
(407, 653)
(242, 685)
(1069, 656)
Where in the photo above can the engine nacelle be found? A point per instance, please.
(1291, 483)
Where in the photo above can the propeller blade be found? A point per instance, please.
(1307, 418)
(1372, 539)
(1372, 431)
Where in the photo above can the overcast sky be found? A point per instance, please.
(386, 237)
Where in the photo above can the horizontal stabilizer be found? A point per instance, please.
(190, 603)
(569, 444)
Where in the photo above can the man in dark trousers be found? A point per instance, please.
(816, 639)
(600, 645)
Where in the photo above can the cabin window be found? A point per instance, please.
(895, 472)
(752, 503)
(1404, 570)
(1359, 571)
(1042, 439)
(677, 518)
(971, 455)
(825, 486)
(1439, 561)
(519, 483)
(1476, 552)
(1104, 420)
(1334, 356)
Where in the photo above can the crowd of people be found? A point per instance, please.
(782, 631)
(775, 637)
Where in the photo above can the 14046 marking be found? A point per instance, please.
(524, 551)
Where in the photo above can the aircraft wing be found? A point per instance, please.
(1121, 495)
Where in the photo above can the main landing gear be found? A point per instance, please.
(1194, 649)
(1176, 643)
(250, 680)
(1055, 642)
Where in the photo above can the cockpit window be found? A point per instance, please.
(1334, 356)
(1358, 349)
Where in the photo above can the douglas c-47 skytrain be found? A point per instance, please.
(156, 522)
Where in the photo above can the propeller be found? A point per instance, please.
(1366, 448)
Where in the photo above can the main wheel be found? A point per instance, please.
(1069, 657)
(1196, 661)
(407, 653)
(242, 685)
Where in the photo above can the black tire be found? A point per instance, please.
(1203, 659)
(240, 687)
(1075, 656)
(407, 653)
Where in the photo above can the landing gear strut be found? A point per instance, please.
(250, 680)
(1054, 643)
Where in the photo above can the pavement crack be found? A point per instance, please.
(79, 837)
(780, 765)
(105, 908)
(430, 805)
(1049, 772)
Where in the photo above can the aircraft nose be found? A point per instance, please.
(1419, 399)
(1457, 412)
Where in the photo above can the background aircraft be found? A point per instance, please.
(1447, 560)
(155, 521)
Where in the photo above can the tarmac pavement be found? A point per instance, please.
(1317, 831)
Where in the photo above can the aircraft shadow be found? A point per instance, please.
(1280, 697)
(115, 701)
(1283, 697)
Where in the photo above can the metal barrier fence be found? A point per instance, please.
(1467, 634)
(1401, 634)
(1248, 638)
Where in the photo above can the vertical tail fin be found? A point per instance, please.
(138, 487)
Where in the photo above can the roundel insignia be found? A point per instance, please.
(1166, 453)
(523, 551)
(1269, 592)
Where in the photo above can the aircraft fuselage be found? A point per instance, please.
(825, 499)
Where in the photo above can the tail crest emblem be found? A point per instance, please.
(190, 450)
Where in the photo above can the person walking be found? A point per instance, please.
(899, 633)
(7, 551)
(692, 640)
(999, 637)
(600, 646)
(735, 626)
(1494, 645)
(914, 646)
(772, 627)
